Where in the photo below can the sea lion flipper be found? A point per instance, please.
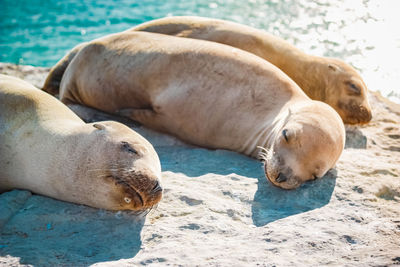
(144, 116)
(53, 80)
(88, 114)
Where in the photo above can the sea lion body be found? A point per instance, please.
(326, 79)
(47, 149)
(207, 94)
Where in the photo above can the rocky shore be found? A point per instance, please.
(219, 210)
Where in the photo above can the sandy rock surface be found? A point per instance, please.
(219, 210)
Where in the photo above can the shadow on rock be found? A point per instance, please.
(355, 138)
(194, 162)
(272, 203)
(47, 232)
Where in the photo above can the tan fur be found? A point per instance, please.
(325, 79)
(47, 149)
(207, 94)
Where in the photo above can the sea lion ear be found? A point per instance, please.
(332, 67)
(99, 126)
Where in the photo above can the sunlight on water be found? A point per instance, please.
(364, 33)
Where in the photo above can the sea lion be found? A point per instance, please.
(47, 149)
(208, 94)
(326, 79)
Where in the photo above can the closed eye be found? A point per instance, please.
(284, 133)
(127, 147)
(354, 88)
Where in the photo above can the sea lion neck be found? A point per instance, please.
(307, 72)
(303, 69)
(266, 133)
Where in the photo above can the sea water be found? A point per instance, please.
(364, 33)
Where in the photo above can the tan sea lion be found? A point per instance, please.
(207, 94)
(326, 79)
(47, 149)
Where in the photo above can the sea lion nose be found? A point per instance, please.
(281, 178)
(367, 116)
(153, 194)
(157, 187)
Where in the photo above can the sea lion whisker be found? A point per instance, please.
(263, 149)
(138, 212)
(142, 212)
(264, 154)
(154, 207)
(146, 211)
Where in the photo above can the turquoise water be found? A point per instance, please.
(364, 33)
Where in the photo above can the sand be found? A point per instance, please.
(219, 210)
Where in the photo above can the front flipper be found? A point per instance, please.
(89, 115)
(147, 117)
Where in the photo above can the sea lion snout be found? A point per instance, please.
(152, 195)
(355, 113)
(157, 188)
(142, 189)
(281, 178)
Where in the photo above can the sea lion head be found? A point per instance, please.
(306, 145)
(346, 92)
(122, 168)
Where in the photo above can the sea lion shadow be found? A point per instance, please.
(48, 232)
(195, 161)
(271, 203)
